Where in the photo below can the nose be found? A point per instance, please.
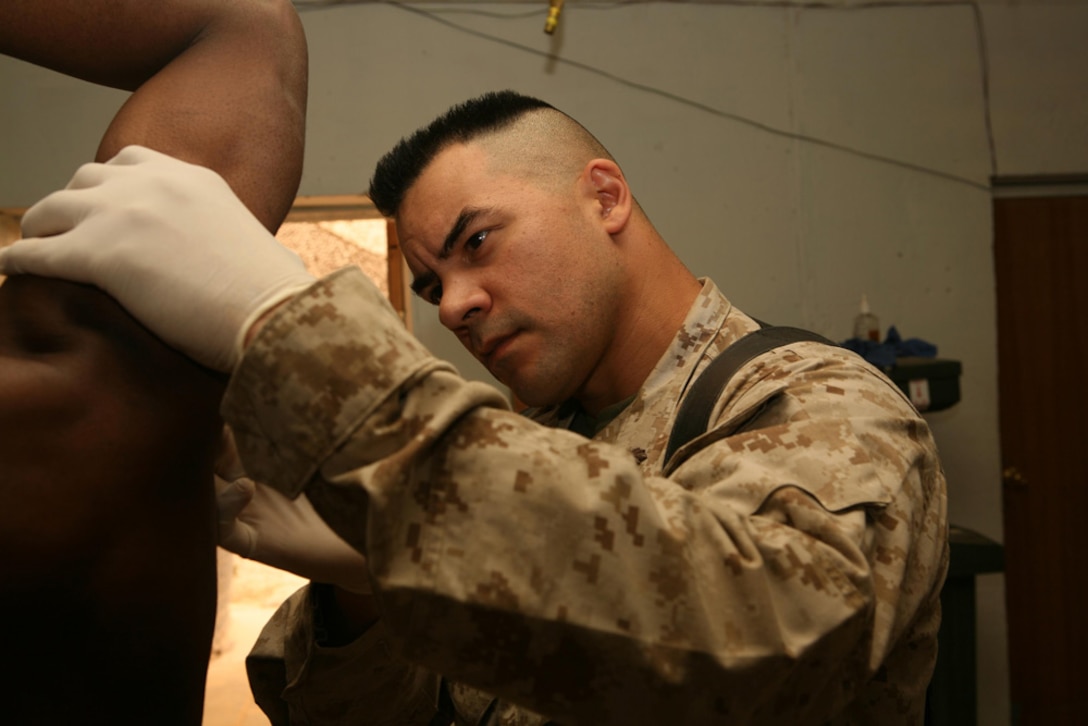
(462, 299)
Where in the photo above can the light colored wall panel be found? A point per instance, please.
(1039, 88)
(899, 82)
(49, 125)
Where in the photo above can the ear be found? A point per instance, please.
(605, 180)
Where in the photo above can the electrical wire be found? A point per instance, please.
(435, 15)
(305, 5)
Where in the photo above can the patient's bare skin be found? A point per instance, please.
(107, 436)
(107, 592)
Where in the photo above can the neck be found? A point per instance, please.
(661, 293)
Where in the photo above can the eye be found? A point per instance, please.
(434, 294)
(473, 243)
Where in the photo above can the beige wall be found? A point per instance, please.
(801, 157)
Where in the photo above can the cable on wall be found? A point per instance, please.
(435, 15)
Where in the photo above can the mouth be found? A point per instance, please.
(495, 348)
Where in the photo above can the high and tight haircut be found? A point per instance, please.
(401, 167)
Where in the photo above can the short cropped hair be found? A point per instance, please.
(402, 166)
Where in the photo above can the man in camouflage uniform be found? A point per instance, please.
(784, 567)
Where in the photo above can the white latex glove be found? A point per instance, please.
(259, 523)
(169, 241)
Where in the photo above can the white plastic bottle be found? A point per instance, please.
(866, 325)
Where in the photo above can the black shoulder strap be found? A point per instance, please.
(694, 415)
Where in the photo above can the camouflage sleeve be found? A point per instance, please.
(559, 574)
(295, 681)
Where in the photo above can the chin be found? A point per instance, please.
(536, 385)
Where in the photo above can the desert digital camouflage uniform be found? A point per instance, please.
(786, 572)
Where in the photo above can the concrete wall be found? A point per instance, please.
(799, 156)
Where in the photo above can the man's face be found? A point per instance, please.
(522, 272)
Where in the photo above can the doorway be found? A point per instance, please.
(1041, 271)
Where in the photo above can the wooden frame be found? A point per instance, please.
(358, 206)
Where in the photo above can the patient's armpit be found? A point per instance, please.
(107, 579)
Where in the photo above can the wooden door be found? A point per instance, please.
(1041, 266)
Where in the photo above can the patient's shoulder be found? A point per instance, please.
(107, 439)
(88, 395)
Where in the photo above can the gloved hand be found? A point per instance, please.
(259, 523)
(169, 241)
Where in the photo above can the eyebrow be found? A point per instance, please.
(464, 219)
